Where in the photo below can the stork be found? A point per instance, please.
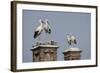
(73, 39)
(47, 27)
(39, 29)
(69, 39)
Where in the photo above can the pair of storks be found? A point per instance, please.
(71, 39)
(44, 26)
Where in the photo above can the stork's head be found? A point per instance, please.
(46, 20)
(41, 22)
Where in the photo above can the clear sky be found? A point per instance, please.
(79, 24)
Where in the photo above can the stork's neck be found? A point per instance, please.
(46, 21)
(42, 24)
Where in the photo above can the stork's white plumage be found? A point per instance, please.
(47, 27)
(39, 29)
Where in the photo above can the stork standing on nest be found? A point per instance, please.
(47, 28)
(39, 30)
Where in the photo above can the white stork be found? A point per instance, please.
(73, 39)
(69, 39)
(39, 29)
(47, 27)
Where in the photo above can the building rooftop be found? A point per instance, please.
(47, 45)
(50, 43)
(72, 49)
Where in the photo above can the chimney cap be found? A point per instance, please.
(72, 49)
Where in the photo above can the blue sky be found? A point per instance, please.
(79, 24)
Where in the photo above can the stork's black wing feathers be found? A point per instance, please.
(49, 31)
(69, 42)
(36, 34)
(75, 42)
